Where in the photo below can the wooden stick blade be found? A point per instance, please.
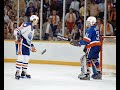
(43, 51)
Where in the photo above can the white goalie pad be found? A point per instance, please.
(83, 64)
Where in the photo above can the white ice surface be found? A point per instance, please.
(54, 77)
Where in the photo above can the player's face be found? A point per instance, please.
(88, 24)
(35, 22)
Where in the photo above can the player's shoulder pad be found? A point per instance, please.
(25, 24)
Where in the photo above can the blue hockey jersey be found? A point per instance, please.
(92, 37)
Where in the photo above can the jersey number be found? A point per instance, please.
(98, 35)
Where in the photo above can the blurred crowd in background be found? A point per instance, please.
(53, 17)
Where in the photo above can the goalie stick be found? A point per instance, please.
(30, 48)
(63, 38)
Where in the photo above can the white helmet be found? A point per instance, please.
(32, 17)
(90, 21)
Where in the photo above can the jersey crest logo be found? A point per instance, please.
(30, 36)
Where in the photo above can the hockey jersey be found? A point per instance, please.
(26, 32)
(92, 37)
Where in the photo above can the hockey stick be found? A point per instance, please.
(30, 48)
(63, 38)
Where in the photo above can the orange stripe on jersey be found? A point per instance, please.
(93, 44)
(85, 39)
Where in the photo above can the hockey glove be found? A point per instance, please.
(33, 49)
(75, 43)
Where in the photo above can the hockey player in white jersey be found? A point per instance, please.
(24, 35)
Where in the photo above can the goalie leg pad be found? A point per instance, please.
(83, 64)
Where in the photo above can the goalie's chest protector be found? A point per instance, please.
(27, 31)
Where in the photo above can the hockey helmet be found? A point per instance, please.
(91, 21)
(32, 17)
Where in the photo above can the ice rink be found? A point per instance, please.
(54, 77)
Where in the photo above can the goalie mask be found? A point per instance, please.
(34, 19)
(90, 21)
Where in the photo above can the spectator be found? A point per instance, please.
(54, 6)
(8, 10)
(46, 5)
(14, 25)
(15, 14)
(36, 4)
(47, 31)
(5, 31)
(59, 28)
(67, 33)
(21, 20)
(75, 34)
(109, 29)
(6, 18)
(55, 21)
(22, 15)
(60, 5)
(10, 27)
(75, 5)
(109, 8)
(46, 10)
(113, 18)
(101, 8)
(81, 11)
(99, 23)
(68, 2)
(30, 9)
(80, 26)
(94, 9)
(37, 32)
(22, 5)
(70, 20)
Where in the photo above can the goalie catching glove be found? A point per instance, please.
(75, 43)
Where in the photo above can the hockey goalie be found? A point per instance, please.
(92, 43)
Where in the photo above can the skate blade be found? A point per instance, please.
(24, 77)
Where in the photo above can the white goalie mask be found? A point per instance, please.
(34, 19)
(90, 21)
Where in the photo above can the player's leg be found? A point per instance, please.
(89, 63)
(19, 60)
(25, 67)
(26, 55)
(18, 66)
(96, 63)
(85, 75)
(83, 66)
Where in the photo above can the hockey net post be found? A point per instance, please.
(105, 42)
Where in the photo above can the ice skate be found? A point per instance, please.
(97, 76)
(24, 75)
(17, 76)
(84, 77)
